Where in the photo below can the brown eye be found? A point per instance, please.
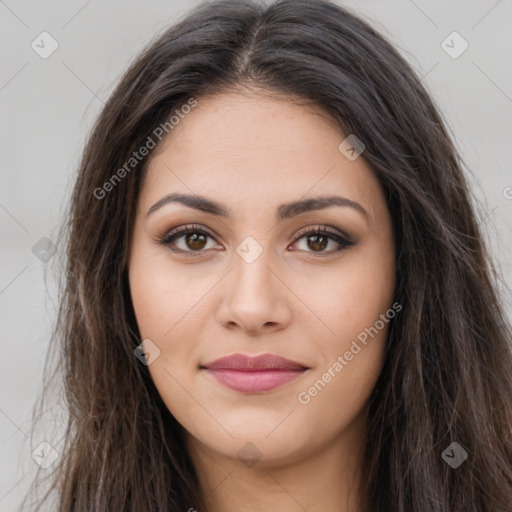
(195, 241)
(317, 242)
(187, 239)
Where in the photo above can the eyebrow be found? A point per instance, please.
(284, 211)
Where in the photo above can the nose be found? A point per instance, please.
(254, 298)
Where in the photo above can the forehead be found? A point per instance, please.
(245, 150)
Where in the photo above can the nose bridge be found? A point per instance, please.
(252, 268)
(254, 298)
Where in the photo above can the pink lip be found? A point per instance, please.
(254, 374)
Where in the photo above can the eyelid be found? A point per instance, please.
(322, 228)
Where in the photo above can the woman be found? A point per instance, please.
(278, 296)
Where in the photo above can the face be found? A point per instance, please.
(252, 274)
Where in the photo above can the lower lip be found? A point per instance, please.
(256, 381)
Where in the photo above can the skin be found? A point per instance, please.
(299, 299)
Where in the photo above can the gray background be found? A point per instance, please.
(48, 106)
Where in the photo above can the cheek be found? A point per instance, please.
(355, 303)
(351, 362)
(163, 301)
(163, 296)
(165, 306)
(172, 382)
(337, 394)
(351, 297)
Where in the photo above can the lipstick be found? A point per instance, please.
(254, 374)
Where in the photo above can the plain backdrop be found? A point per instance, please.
(49, 104)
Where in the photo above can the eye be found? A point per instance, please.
(194, 239)
(318, 240)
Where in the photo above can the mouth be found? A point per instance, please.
(254, 374)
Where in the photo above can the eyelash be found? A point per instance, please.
(173, 235)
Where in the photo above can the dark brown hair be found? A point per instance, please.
(448, 363)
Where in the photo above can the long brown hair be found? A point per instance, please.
(447, 374)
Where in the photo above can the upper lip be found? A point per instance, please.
(246, 363)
